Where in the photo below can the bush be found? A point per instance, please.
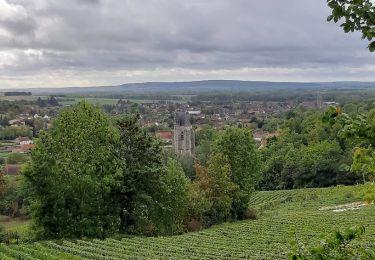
(250, 214)
(340, 245)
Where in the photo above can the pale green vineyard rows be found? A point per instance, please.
(285, 216)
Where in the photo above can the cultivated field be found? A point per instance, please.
(285, 216)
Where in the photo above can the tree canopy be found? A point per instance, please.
(74, 168)
(358, 15)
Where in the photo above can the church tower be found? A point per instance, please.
(183, 136)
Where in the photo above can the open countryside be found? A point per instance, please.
(187, 130)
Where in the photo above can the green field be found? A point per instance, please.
(284, 216)
(16, 225)
(17, 98)
(6, 147)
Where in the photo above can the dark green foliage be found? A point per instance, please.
(358, 15)
(204, 139)
(141, 179)
(153, 198)
(307, 153)
(72, 174)
(174, 199)
(13, 195)
(339, 246)
(237, 147)
(41, 103)
(360, 128)
(12, 132)
(187, 164)
(52, 101)
(16, 93)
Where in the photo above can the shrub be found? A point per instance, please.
(250, 214)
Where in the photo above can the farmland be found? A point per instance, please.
(283, 216)
(6, 147)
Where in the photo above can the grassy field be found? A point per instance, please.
(16, 98)
(16, 225)
(284, 216)
(6, 147)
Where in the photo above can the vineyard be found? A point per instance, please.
(284, 216)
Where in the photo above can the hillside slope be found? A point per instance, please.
(304, 214)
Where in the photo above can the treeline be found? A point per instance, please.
(145, 96)
(12, 132)
(14, 107)
(94, 176)
(307, 150)
(342, 96)
(314, 149)
(17, 93)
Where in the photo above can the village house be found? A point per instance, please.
(165, 136)
(17, 122)
(24, 140)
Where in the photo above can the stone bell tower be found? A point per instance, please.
(183, 136)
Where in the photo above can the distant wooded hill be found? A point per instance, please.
(204, 86)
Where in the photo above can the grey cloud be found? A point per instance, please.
(195, 34)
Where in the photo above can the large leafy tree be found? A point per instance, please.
(358, 15)
(221, 189)
(141, 178)
(307, 152)
(173, 198)
(361, 129)
(73, 171)
(153, 196)
(238, 147)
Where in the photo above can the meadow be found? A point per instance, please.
(304, 215)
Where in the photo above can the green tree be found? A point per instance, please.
(204, 139)
(238, 147)
(358, 15)
(222, 191)
(307, 152)
(216, 191)
(141, 178)
(73, 171)
(361, 129)
(173, 199)
(315, 165)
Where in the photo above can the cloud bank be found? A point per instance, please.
(104, 42)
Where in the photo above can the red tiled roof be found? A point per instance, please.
(23, 148)
(165, 135)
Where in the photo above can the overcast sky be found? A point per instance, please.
(63, 43)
